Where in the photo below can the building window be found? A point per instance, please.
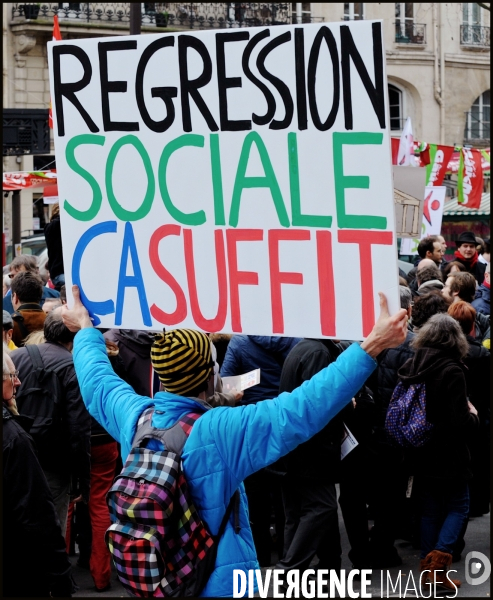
(395, 106)
(471, 13)
(472, 31)
(478, 119)
(353, 11)
(301, 12)
(404, 21)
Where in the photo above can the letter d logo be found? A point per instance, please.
(472, 568)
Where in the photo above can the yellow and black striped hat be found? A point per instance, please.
(182, 359)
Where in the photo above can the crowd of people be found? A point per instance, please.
(72, 397)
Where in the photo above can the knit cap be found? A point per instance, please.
(182, 359)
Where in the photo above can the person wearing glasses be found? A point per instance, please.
(29, 517)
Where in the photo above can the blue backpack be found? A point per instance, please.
(406, 424)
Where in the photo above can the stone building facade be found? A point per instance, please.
(438, 61)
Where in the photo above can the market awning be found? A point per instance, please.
(453, 209)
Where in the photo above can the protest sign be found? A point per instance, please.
(432, 218)
(233, 180)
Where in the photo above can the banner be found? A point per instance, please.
(21, 180)
(439, 160)
(432, 218)
(228, 180)
(470, 178)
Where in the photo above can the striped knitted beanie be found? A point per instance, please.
(182, 359)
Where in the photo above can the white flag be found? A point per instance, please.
(405, 156)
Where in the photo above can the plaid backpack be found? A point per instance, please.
(160, 545)
(406, 424)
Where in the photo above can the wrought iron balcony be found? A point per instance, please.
(410, 33)
(475, 35)
(187, 15)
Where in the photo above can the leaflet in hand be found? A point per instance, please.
(348, 443)
(241, 382)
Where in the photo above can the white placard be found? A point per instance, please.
(233, 180)
(241, 382)
(432, 218)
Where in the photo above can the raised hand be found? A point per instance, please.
(388, 331)
(77, 317)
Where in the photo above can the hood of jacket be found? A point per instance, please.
(427, 363)
(139, 341)
(272, 344)
(483, 292)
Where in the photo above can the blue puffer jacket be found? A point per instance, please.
(226, 444)
(248, 352)
(482, 301)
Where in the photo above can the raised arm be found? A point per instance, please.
(111, 401)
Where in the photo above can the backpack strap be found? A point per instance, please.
(173, 438)
(35, 356)
(37, 359)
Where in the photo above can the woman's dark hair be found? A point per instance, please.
(443, 332)
(428, 305)
(448, 267)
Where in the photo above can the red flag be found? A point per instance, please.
(436, 169)
(57, 36)
(470, 178)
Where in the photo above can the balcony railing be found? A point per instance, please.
(475, 35)
(185, 15)
(410, 33)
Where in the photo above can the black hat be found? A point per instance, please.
(466, 237)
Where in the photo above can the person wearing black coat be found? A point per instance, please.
(442, 465)
(477, 372)
(68, 467)
(30, 522)
(389, 477)
(467, 255)
(53, 237)
(312, 469)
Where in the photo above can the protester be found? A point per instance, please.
(478, 382)
(27, 291)
(452, 267)
(6, 285)
(412, 276)
(481, 249)
(50, 304)
(225, 444)
(431, 247)
(467, 254)
(8, 330)
(263, 488)
(29, 263)
(441, 465)
(482, 300)
(426, 306)
(35, 338)
(30, 522)
(135, 352)
(428, 278)
(387, 477)
(462, 286)
(65, 456)
(308, 491)
(53, 237)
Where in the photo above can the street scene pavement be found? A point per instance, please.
(477, 539)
